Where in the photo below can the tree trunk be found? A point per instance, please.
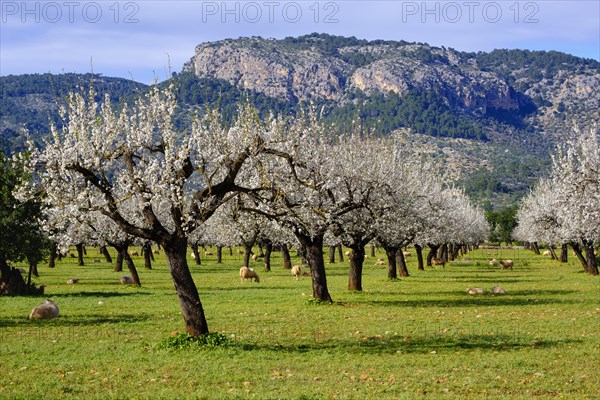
(79, 248)
(268, 251)
(147, 250)
(301, 252)
(220, 254)
(391, 256)
(119, 262)
(314, 254)
(247, 253)
(33, 270)
(340, 252)
(419, 251)
(443, 252)
(564, 253)
(357, 259)
(230, 250)
(4, 271)
(332, 254)
(131, 268)
(196, 254)
(287, 260)
(402, 270)
(535, 248)
(591, 257)
(373, 251)
(106, 254)
(433, 248)
(52, 260)
(552, 252)
(189, 300)
(580, 256)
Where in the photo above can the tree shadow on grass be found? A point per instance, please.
(471, 301)
(87, 320)
(421, 344)
(102, 295)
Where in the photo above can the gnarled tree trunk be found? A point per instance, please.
(119, 262)
(401, 262)
(391, 256)
(419, 251)
(357, 259)
(340, 252)
(268, 251)
(52, 260)
(314, 254)
(220, 254)
(564, 253)
(189, 299)
(332, 254)
(196, 254)
(79, 248)
(287, 260)
(106, 254)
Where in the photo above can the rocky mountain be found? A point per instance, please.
(491, 119)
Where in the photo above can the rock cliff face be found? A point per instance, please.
(330, 68)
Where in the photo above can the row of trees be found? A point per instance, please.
(110, 177)
(565, 208)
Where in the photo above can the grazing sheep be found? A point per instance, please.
(381, 259)
(208, 253)
(47, 310)
(72, 281)
(240, 252)
(506, 264)
(97, 261)
(347, 254)
(494, 262)
(547, 253)
(248, 273)
(296, 271)
(475, 291)
(134, 254)
(406, 253)
(498, 290)
(366, 257)
(438, 261)
(380, 262)
(254, 257)
(126, 280)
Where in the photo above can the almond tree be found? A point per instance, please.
(175, 181)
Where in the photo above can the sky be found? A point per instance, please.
(147, 40)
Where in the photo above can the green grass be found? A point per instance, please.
(419, 337)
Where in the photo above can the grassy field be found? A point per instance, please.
(419, 337)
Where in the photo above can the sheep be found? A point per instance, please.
(406, 253)
(547, 253)
(347, 254)
(506, 264)
(240, 252)
(296, 271)
(475, 291)
(208, 253)
(248, 273)
(380, 262)
(498, 290)
(72, 281)
(438, 261)
(134, 254)
(494, 262)
(381, 259)
(193, 256)
(47, 310)
(126, 280)
(254, 257)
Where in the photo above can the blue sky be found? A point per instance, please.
(144, 40)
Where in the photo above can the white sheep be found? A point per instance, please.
(193, 256)
(380, 262)
(254, 257)
(347, 254)
(506, 264)
(248, 273)
(134, 254)
(208, 253)
(475, 291)
(406, 253)
(498, 290)
(72, 281)
(494, 262)
(126, 280)
(47, 310)
(296, 271)
(547, 253)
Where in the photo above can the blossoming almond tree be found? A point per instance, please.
(173, 181)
